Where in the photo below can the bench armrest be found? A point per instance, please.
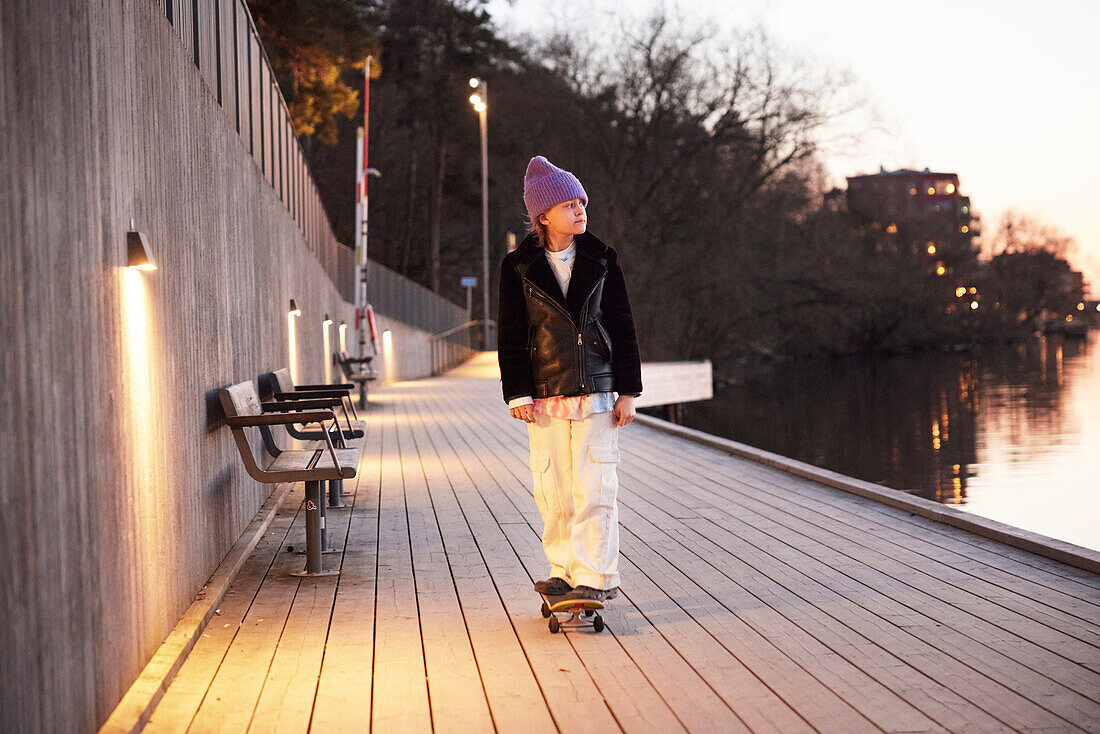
(277, 406)
(274, 419)
(311, 395)
(333, 386)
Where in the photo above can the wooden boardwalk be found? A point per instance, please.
(752, 601)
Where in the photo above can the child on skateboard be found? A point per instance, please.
(570, 369)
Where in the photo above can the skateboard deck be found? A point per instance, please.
(572, 614)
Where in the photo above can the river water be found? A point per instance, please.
(1011, 433)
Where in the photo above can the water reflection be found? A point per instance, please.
(1012, 432)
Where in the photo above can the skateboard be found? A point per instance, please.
(572, 614)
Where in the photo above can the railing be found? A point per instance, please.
(399, 298)
(222, 40)
(225, 46)
(457, 344)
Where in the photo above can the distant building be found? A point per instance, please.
(920, 211)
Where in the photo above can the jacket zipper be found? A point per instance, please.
(535, 291)
(580, 333)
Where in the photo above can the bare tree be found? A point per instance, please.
(684, 133)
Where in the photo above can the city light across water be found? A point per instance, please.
(1011, 433)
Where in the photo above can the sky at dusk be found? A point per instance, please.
(1005, 94)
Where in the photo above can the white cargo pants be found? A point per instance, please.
(574, 464)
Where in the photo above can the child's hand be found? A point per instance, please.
(525, 413)
(624, 410)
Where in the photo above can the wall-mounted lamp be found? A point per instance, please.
(138, 254)
(294, 310)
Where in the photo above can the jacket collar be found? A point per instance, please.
(589, 266)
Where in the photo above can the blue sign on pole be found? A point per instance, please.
(469, 282)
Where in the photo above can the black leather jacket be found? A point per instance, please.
(550, 344)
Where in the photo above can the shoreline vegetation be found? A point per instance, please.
(709, 149)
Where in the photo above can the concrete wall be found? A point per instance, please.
(120, 492)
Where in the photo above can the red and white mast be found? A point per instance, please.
(363, 311)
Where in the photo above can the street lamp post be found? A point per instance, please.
(479, 99)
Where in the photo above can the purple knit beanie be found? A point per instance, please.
(545, 185)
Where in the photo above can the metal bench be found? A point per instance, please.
(243, 410)
(359, 371)
(283, 388)
(330, 397)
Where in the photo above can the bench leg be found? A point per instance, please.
(324, 527)
(323, 533)
(314, 532)
(336, 494)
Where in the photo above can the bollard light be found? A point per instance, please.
(294, 310)
(327, 322)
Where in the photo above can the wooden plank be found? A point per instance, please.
(693, 701)
(181, 701)
(457, 696)
(236, 687)
(828, 517)
(1038, 646)
(287, 700)
(998, 554)
(702, 504)
(750, 603)
(514, 697)
(343, 701)
(821, 707)
(574, 700)
(826, 641)
(879, 614)
(1024, 605)
(762, 610)
(951, 547)
(680, 687)
(399, 696)
(839, 677)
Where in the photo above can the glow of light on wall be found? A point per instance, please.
(964, 229)
(931, 248)
(931, 190)
(142, 428)
(940, 269)
(327, 348)
(960, 292)
(950, 188)
(974, 305)
(292, 343)
(389, 365)
(1080, 307)
(343, 336)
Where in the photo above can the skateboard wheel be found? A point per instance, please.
(597, 624)
(545, 610)
(554, 625)
(589, 612)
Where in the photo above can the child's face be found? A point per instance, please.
(566, 218)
